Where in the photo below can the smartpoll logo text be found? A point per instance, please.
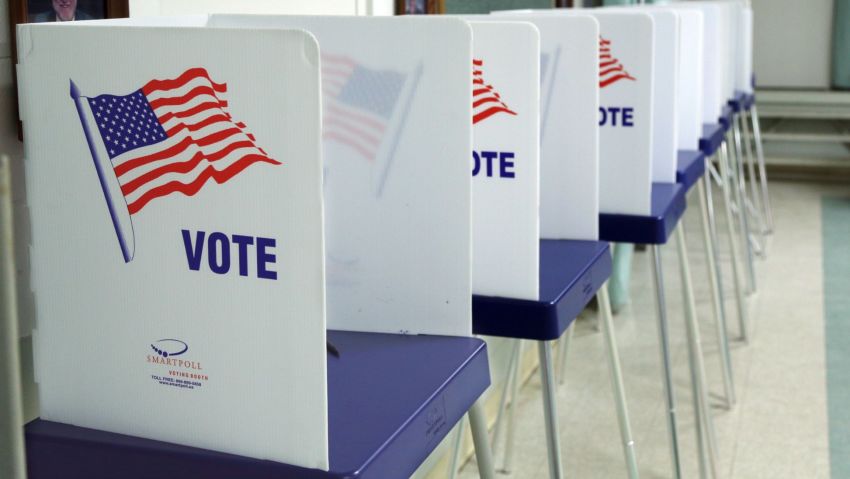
(169, 136)
(166, 352)
(179, 372)
(487, 103)
(611, 72)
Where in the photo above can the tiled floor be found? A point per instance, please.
(779, 426)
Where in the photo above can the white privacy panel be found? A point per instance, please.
(712, 84)
(744, 82)
(176, 212)
(505, 159)
(689, 98)
(397, 185)
(569, 109)
(729, 57)
(626, 115)
(665, 92)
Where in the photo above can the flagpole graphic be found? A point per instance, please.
(548, 71)
(101, 175)
(417, 74)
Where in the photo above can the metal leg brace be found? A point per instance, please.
(666, 363)
(550, 410)
(478, 425)
(768, 213)
(733, 173)
(733, 243)
(563, 351)
(706, 442)
(516, 375)
(716, 295)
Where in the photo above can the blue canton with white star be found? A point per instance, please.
(126, 122)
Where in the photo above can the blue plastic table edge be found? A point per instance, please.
(742, 101)
(690, 167)
(712, 137)
(726, 116)
(667, 207)
(571, 272)
(59, 450)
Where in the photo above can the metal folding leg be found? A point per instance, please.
(753, 212)
(753, 215)
(510, 378)
(706, 442)
(666, 363)
(734, 172)
(716, 294)
(503, 400)
(516, 379)
(483, 455)
(617, 382)
(454, 463)
(752, 180)
(725, 186)
(550, 410)
(563, 351)
(768, 213)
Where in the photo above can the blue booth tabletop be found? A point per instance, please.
(571, 272)
(743, 101)
(749, 100)
(668, 205)
(712, 137)
(689, 168)
(726, 116)
(391, 399)
(738, 102)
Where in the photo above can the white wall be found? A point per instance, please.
(291, 7)
(792, 43)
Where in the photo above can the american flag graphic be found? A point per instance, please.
(486, 101)
(610, 69)
(359, 103)
(169, 136)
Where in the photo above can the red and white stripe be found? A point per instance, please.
(354, 127)
(203, 142)
(486, 101)
(610, 69)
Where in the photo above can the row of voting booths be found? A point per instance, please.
(267, 246)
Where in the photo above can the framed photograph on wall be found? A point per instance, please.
(41, 11)
(419, 7)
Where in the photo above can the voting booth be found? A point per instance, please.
(201, 219)
(573, 264)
